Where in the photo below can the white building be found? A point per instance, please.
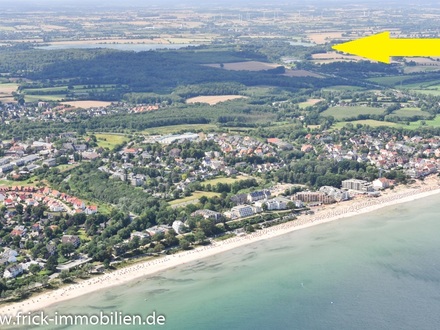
(381, 183)
(178, 226)
(240, 211)
(13, 271)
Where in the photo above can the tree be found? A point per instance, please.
(65, 276)
(184, 244)
(66, 249)
(19, 208)
(200, 236)
(34, 268)
(52, 263)
(158, 248)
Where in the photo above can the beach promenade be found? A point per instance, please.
(322, 215)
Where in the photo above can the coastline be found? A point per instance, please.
(323, 215)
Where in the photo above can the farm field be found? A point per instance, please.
(301, 73)
(425, 123)
(340, 113)
(245, 66)
(309, 103)
(36, 98)
(87, 104)
(434, 92)
(369, 122)
(330, 57)
(409, 112)
(6, 91)
(107, 140)
(213, 99)
(343, 88)
(163, 130)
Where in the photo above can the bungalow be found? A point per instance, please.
(13, 271)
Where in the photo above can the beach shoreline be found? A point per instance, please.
(127, 274)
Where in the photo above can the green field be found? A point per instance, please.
(343, 88)
(428, 123)
(194, 198)
(389, 81)
(339, 113)
(163, 130)
(369, 122)
(433, 92)
(409, 112)
(376, 123)
(29, 182)
(225, 180)
(109, 140)
(36, 98)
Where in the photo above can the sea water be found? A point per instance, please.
(379, 270)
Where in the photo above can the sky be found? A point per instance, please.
(59, 4)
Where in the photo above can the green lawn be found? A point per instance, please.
(46, 89)
(428, 123)
(29, 182)
(35, 98)
(195, 196)
(343, 88)
(388, 81)
(369, 122)
(434, 92)
(376, 123)
(409, 112)
(339, 113)
(163, 130)
(225, 180)
(108, 140)
(66, 167)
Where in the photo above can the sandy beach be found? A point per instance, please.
(323, 214)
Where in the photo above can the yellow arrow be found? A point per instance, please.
(380, 47)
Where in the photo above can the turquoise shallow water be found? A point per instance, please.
(374, 271)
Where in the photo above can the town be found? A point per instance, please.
(48, 231)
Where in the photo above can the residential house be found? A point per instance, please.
(258, 195)
(13, 271)
(139, 234)
(208, 214)
(71, 239)
(178, 226)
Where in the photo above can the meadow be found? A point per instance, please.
(107, 140)
(213, 99)
(369, 122)
(340, 113)
(173, 129)
(194, 198)
(225, 180)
